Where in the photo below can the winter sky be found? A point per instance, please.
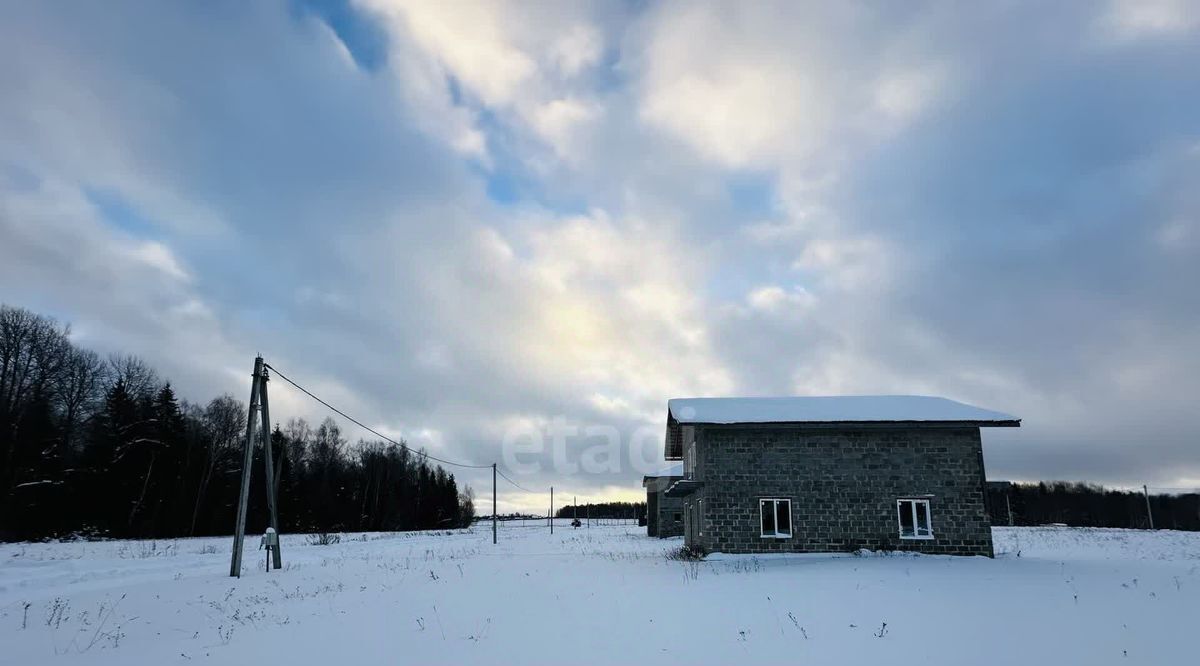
(454, 218)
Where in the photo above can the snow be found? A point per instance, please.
(829, 409)
(600, 595)
(671, 470)
(32, 484)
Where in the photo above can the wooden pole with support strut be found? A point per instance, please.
(258, 403)
(239, 529)
(272, 512)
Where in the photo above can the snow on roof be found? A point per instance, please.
(672, 470)
(831, 409)
(658, 480)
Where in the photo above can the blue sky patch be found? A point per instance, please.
(120, 213)
(365, 40)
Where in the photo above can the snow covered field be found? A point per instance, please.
(600, 595)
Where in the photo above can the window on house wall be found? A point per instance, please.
(776, 517)
(691, 461)
(678, 517)
(914, 518)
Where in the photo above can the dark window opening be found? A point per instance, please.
(776, 517)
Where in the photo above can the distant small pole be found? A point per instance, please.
(575, 506)
(493, 503)
(1149, 513)
(1008, 504)
(552, 509)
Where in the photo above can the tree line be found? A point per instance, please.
(100, 446)
(1089, 505)
(603, 510)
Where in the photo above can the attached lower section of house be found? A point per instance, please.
(826, 474)
(664, 515)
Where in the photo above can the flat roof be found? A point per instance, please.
(670, 470)
(834, 409)
(674, 471)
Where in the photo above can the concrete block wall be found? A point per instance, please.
(670, 516)
(843, 483)
(664, 515)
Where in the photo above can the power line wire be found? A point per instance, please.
(505, 477)
(372, 430)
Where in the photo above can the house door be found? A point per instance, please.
(691, 522)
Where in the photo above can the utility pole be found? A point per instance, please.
(268, 463)
(258, 403)
(239, 530)
(575, 506)
(1149, 513)
(493, 503)
(278, 469)
(552, 509)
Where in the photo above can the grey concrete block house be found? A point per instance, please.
(664, 515)
(837, 473)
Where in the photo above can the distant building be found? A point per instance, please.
(839, 473)
(664, 515)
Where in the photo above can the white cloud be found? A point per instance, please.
(849, 263)
(1178, 234)
(520, 60)
(904, 95)
(130, 295)
(559, 122)
(159, 256)
(748, 87)
(773, 298)
(612, 308)
(424, 88)
(471, 39)
(578, 48)
(1135, 19)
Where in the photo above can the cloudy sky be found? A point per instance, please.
(456, 219)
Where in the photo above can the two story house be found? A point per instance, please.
(836, 473)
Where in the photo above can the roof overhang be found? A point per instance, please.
(673, 448)
(683, 488)
(867, 425)
(825, 412)
(659, 481)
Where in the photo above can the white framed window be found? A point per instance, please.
(914, 518)
(690, 466)
(775, 517)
